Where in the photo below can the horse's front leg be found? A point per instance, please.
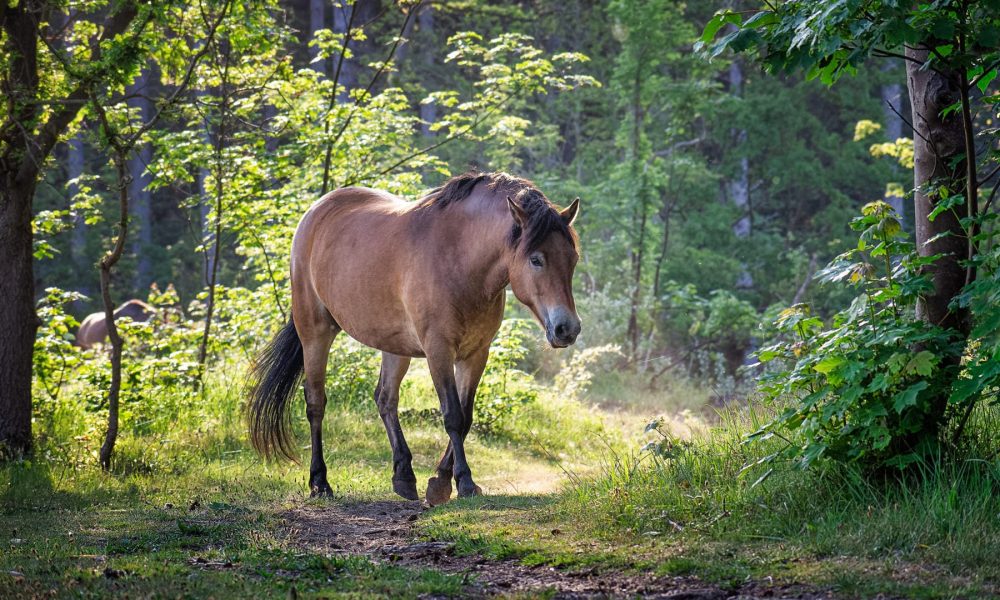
(468, 373)
(456, 424)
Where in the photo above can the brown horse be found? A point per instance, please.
(414, 279)
(94, 328)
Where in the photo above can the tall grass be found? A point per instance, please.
(946, 512)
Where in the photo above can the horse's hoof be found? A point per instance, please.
(465, 492)
(321, 490)
(406, 489)
(438, 490)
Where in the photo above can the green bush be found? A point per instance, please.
(868, 386)
(504, 389)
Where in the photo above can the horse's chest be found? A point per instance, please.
(479, 330)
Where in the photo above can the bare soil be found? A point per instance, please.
(384, 532)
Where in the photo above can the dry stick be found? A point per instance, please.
(121, 147)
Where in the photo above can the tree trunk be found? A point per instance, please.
(937, 144)
(21, 157)
(75, 164)
(425, 25)
(317, 21)
(219, 165)
(108, 263)
(637, 254)
(739, 187)
(18, 322)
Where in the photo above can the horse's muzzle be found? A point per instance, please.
(562, 328)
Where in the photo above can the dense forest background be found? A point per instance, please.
(710, 192)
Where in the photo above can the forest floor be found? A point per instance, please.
(191, 512)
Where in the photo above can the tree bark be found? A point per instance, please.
(317, 21)
(739, 187)
(107, 264)
(937, 143)
(219, 165)
(18, 322)
(640, 218)
(938, 146)
(425, 25)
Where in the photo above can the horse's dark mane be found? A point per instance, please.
(543, 218)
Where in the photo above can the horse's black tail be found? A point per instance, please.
(274, 378)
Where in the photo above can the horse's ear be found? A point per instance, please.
(520, 217)
(569, 213)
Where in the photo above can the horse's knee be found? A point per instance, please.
(315, 405)
(386, 402)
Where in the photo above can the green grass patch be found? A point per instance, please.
(692, 509)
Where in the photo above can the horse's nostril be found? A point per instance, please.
(560, 331)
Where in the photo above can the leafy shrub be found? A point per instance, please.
(868, 386)
(577, 374)
(504, 389)
(352, 373)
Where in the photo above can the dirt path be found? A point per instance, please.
(384, 532)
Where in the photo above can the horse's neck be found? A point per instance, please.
(484, 245)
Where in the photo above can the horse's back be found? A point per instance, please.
(137, 310)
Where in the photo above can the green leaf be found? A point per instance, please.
(908, 397)
(720, 20)
(829, 364)
(922, 363)
(985, 81)
(947, 204)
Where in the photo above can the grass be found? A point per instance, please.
(198, 535)
(691, 511)
(190, 511)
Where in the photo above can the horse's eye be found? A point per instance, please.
(536, 261)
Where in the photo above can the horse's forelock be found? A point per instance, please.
(543, 220)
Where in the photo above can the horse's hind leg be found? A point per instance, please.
(316, 329)
(394, 367)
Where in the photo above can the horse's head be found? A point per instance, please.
(541, 263)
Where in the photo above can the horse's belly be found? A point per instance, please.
(376, 319)
(399, 343)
